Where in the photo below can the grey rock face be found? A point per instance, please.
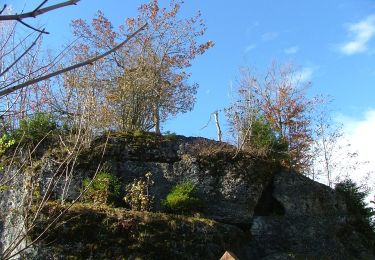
(229, 188)
(283, 215)
(308, 225)
(301, 196)
(11, 216)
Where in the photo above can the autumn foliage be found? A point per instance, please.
(278, 100)
(146, 82)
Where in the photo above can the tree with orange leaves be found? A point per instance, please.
(155, 60)
(280, 100)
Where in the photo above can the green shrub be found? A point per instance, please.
(169, 135)
(263, 140)
(35, 128)
(5, 142)
(183, 198)
(138, 133)
(5, 188)
(361, 216)
(105, 189)
(355, 199)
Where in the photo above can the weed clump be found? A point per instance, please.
(104, 189)
(183, 198)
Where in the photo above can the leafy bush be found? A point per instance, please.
(169, 135)
(138, 133)
(263, 140)
(104, 189)
(183, 198)
(137, 193)
(5, 142)
(35, 128)
(360, 215)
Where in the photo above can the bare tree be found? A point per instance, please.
(243, 111)
(333, 159)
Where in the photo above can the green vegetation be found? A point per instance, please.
(273, 120)
(360, 216)
(104, 189)
(5, 142)
(170, 135)
(263, 140)
(138, 137)
(183, 198)
(5, 188)
(104, 232)
(35, 128)
(138, 133)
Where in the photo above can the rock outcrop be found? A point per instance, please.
(256, 209)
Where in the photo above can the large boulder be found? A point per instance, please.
(304, 221)
(230, 184)
(276, 214)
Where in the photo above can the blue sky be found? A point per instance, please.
(331, 42)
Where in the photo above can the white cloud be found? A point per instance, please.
(291, 50)
(304, 75)
(359, 133)
(269, 36)
(358, 139)
(250, 48)
(362, 32)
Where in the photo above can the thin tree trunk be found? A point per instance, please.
(156, 118)
(219, 133)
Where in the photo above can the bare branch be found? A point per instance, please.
(37, 11)
(47, 66)
(2, 10)
(33, 28)
(40, 6)
(20, 57)
(81, 64)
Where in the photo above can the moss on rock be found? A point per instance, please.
(110, 233)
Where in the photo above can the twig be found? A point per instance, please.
(49, 65)
(40, 6)
(2, 10)
(33, 28)
(37, 11)
(81, 64)
(20, 57)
